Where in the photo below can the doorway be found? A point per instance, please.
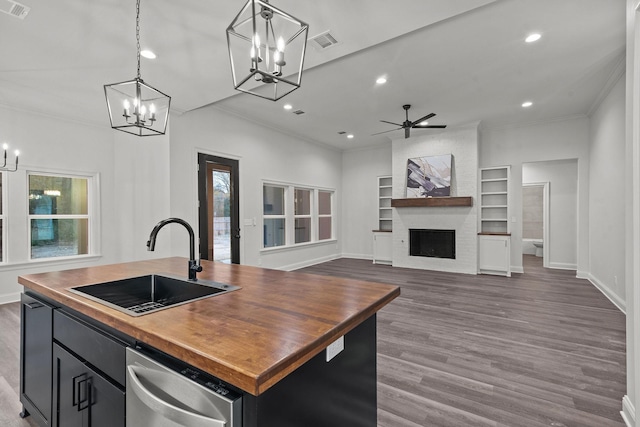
(218, 216)
(535, 223)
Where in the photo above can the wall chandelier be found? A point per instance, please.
(262, 41)
(134, 106)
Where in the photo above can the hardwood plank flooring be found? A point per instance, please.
(537, 349)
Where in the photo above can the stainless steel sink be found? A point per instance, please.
(146, 294)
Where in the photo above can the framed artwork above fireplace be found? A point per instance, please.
(429, 176)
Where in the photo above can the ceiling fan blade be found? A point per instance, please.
(386, 131)
(427, 117)
(430, 127)
(391, 123)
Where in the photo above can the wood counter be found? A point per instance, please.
(251, 338)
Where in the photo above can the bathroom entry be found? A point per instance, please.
(535, 220)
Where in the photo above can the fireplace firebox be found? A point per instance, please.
(432, 243)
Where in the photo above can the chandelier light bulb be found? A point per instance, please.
(17, 153)
(5, 146)
(281, 44)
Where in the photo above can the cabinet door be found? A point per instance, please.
(71, 389)
(495, 255)
(36, 375)
(82, 396)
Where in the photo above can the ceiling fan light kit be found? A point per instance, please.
(266, 50)
(134, 106)
(407, 125)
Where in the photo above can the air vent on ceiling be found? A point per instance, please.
(13, 8)
(341, 132)
(324, 40)
(298, 112)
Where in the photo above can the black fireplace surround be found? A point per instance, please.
(432, 243)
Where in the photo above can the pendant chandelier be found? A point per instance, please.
(266, 50)
(134, 106)
(5, 167)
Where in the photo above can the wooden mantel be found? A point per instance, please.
(432, 202)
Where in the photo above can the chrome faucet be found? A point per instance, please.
(194, 266)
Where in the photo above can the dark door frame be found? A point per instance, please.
(203, 160)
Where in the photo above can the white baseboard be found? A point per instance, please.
(582, 274)
(308, 263)
(607, 292)
(518, 269)
(356, 256)
(7, 298)
(562, 266)
(628, 412)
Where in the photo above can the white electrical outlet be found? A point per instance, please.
(335, 348)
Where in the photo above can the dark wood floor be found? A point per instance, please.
(537, 349)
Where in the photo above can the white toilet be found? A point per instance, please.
(538, 246)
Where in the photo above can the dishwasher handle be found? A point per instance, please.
(168, 410)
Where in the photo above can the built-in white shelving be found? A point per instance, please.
(382, 237)
(494, 238)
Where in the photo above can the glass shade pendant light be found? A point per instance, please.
(266, 50)
(134, 106)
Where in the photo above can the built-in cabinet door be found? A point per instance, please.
(82, 397)
(35, 378)
(495, 255)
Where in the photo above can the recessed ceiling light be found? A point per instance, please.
(532, 38)
(287, 106)
(148, 54)
(527, 104)
(381, 80)
(350, 136)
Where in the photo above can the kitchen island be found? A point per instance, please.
(267, 339)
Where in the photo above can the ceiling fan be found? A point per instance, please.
(407, 124)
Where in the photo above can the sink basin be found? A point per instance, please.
(146, 294)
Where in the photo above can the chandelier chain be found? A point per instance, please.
(138, 34)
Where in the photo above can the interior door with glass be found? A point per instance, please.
(219, 220)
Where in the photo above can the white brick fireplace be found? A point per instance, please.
(462, 143)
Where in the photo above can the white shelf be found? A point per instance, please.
(385, 189)
(494, 241)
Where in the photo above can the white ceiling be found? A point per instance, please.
(465, 60)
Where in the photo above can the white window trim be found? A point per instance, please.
(289, 216)
(93, 214)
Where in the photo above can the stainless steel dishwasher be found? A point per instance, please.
(165, 392)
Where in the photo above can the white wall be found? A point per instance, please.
(52, 144)
(562, 176)
(632, 214)
(263, 154)
(607, 195)
(462, 143)
(360, 172)
(563, 139)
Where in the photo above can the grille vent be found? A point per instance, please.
(324, 40)
(298, 112)
(341, 132)
(13, 8)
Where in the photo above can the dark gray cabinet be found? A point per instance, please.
(35, 362)
(82, 396)
(72, 367)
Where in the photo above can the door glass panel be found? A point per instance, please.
(221, 216)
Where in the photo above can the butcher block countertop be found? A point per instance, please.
(252, 337)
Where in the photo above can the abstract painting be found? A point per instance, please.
(429, 176)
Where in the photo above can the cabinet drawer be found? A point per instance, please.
(100, 350)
